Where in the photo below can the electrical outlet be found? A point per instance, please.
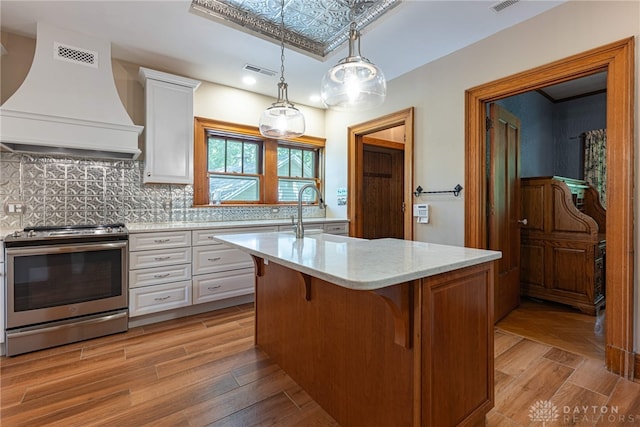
(275, 210)
(15, 208)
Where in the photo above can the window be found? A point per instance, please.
(234, 164)
(233, 168)
(296, 167)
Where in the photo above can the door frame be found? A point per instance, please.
(618, 60)
(355, 137)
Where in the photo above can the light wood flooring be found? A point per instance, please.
(204, 371)
(558, 325)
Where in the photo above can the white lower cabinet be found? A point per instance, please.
(226, 284)
(220, 271)
(341, 228)
(159, 257)
(159, 271)
(159, 275)
(216, 258)
(174, 269)
(151, 299)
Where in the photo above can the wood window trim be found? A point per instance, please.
(269, 178)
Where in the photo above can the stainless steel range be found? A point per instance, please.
(65, 284)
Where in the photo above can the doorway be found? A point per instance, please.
(381, 177)
(617, 59)
(561, 270)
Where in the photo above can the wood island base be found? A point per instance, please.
(418, 353)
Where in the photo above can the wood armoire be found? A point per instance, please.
(562, 248)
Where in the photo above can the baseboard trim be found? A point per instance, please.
(189, 311)
(621, 362)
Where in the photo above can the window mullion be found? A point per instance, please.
(242, 158)
(270, 171)
(226, 154)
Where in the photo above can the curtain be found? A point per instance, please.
(595, 162)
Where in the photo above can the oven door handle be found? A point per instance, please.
(74, 324)
(66, 248)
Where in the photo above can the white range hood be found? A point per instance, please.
(68, 103)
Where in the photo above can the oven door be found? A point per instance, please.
(53, 282)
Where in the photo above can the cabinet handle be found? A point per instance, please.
(161, 240)
(214, 259)
(523, 221)
(163, 298)
(211, 288)
(162, 258)
(160, 276)
(210, 237)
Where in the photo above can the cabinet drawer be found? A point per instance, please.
(158, 258)
(338, 228)
(215, 258)
(152, 299)
(215, 286)
(157, 275)
(205, 237)
(307, 227)
(161, 240)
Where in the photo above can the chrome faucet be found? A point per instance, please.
(299, 228)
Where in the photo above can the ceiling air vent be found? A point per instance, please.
(499, 7)
(259, 70)
(75, 55)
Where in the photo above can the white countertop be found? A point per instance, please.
(174, 226)
(142, 227)
(358, 263)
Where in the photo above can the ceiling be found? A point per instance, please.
(566, 91)
(313, 27)
(167, 35)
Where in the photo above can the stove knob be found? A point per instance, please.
(109, 230)
(31, 233)
(17, 233)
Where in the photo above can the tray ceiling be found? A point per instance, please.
(314, 27)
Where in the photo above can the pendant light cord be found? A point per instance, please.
(352, 14)
(282, 41)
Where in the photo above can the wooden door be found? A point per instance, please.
(504, 207)
(371, 133)
(383, 192)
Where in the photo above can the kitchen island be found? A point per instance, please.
(379, 332)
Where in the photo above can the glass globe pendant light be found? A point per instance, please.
(354, 83)
(282, 120)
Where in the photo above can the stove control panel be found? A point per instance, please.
(85, 232)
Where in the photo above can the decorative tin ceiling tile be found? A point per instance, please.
(315, 27)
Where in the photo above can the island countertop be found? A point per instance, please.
(358, 263)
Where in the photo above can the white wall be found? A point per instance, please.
(237, 106)
(437, 89)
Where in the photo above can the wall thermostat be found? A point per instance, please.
(421, 212)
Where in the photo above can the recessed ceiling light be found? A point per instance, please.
(248, 80)
(314, 98)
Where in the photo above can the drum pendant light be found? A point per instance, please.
(282, 120)
(355, 83)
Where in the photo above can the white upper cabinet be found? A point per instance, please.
(169, 127)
